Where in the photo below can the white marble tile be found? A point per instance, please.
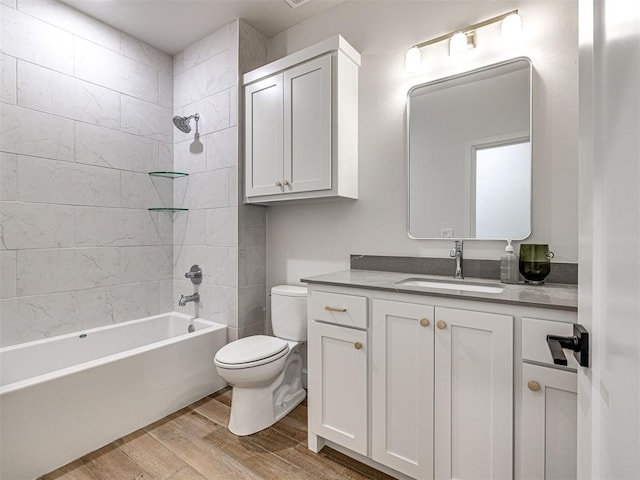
(214, 116)
(112, 70)
(73, 21)
(222, 148)
(166, 300)
(253, 48)
(36, 225)
(122, 303)
(28, 132)
(207, 47)
(59, 94)
(178, 63)
(7, 273)
(233, 106)
(105, 147)
(8, 86)
(208, 189)
(145, 53)
(60, 270)
(9, 3)
(219, 264)
(147, 119)
(30, 39)
(190, 157)
(144, 264)
(142, 191)
(222, 72)
(165, 156)
(252, 236)
(251, 305)
(190, 228)
(217, 303)
(234, 196)
(165, 89)
(8, 176)
(222, 227)
(190, 86)
(49, 181)
(164, 221)
(112, 227)
(255, 215)
(251, 266)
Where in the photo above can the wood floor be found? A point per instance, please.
(194, 444)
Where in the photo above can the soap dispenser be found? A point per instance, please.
(509, 272)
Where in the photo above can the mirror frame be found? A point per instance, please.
(408, 143)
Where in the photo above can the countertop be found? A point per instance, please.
(556, 296)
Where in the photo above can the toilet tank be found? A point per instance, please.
(289, 312)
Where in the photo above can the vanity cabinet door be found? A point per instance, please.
(264, 137)
(549, 423)
(473, 394)
(402, 387)
(337, 376)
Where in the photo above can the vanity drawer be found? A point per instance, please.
(534, 340)
(347, 310)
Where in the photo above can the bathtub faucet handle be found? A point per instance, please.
(195, 274)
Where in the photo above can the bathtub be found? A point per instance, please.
(65, 396)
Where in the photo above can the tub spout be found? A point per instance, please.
(189, 298)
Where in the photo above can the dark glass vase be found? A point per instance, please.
(535, 262)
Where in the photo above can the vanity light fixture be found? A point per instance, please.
(463, 40)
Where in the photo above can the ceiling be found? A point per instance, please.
(171, 25)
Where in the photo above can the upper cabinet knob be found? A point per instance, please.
(278, 183)
(441, 325)
(424, 322)
(286, 183)
(533, 385)
(357, 345)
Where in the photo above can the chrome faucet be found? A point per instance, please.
(189, 298)
(456, 252)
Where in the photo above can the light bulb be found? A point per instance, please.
(413, 60)
(457, 44)
(511, 27)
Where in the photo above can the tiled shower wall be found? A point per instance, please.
(85, 115)
(225, 238)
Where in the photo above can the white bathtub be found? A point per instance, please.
(65, 396)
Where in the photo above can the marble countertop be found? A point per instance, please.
(556, 296)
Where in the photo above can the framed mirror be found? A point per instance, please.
(469, 154)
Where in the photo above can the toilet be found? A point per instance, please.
(266, 372)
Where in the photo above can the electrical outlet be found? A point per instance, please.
(446, 233)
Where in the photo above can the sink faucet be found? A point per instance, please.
(189, 298)
(456, 252)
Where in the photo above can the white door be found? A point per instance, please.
(264, 137)
(473, 395)
(548, 433)
(338, 384)
(609, 248)
(307, 126)
(402, 387)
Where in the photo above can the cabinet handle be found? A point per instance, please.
(441, 325)
(357, 345)
(286, 183)
(335, 309)
(424, 322)
(278, 184)
(533, 385)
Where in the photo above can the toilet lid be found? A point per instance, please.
(256, 349)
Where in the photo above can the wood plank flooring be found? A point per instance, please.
(194, 444)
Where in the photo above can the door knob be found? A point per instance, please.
(579, 343)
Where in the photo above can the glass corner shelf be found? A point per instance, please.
(164, 209)
(169, 174)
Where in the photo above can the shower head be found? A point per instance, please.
(182, 123)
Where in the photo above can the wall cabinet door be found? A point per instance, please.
(337, 377)
(549, 423)
(402, 387)
(263, 136)
(307, 126)
(473, 395)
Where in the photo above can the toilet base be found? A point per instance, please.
(253, 409)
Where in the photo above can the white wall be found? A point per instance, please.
(86, 115)
(314, 238)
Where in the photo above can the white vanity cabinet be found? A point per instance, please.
(425, 386)
(301, 125)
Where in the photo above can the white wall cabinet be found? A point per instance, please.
(443, 393)
(301, 117)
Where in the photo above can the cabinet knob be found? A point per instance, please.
(286, 183)
(335, 309)
(533, 385)
(278, 184)
(357, 345)
(424, 322)
(441, 325)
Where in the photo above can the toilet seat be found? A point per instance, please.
(251, 352)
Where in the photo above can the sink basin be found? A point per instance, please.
(452, 285)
